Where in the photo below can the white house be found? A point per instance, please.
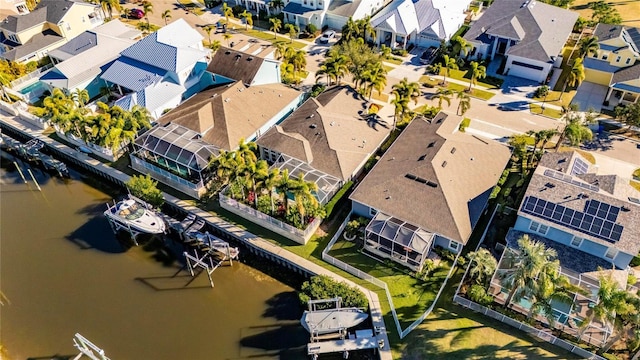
(422, 22)
(332, 13)
(161, 70)
(530, 34)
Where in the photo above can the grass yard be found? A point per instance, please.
(537, 109)
(411, 297)
(431, 81)
(587, 155)
(393, 60)
(387, 68)
(268, 36)
(380, 96)
(554, 98)
(635, 184)
(190, 6)
(629, 10)
(464, 75)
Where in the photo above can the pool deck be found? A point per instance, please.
(240, 234)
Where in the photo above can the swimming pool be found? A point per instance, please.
(36, 87)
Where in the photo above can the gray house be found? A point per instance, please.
(429, 188)
(530, 34)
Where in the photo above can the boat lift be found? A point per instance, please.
(117, 226)
(87, 348)
(209, 245)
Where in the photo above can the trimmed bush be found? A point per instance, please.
(478, 294)
(503, 178)
(145, 188)
(323, 287)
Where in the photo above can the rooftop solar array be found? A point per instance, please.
(598, 220)
(569, 180)
(579, 167)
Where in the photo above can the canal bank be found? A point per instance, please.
(220, 228)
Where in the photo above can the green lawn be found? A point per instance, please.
(430, 81)
(388, 67)
(411, 297)
(190, 6)
(464, 75)
(393, 60)
(553, 113)
(264, 35)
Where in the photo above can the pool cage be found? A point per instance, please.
(176, 152)
(327, 185)
(398, 240)
(568, 316)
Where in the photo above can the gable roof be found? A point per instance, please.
(328, 133)
(37, 42)
(434, 177)
(225, 114)
(627, 74)
(541, 29)
(133, 75)
(171, 48)
(235, 65)
(554, 181)
(51, 11)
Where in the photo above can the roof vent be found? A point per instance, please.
(227, 99)
(238, 56)
(444, 164)
(313, 126)
(431, 144)
(453, 150)
(422, 157)
(228, 52)
(625, 209)
(250, 58)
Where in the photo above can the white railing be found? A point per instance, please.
(36, 73)
(375, 281)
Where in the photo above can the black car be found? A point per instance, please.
(428, 55)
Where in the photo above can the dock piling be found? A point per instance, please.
(34, 180)
(20, 172)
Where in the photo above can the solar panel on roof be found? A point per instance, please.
(579, 167)
(569, 180)
(588, 222)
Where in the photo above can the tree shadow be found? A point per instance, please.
(285, 341)
(283, 306)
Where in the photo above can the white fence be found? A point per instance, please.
(373, 280)
(542, 334)
(266, 221)
(36, 73)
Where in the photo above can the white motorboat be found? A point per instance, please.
(332, 320)
(133, 213)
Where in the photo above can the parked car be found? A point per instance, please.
(327, 36)
(136, 14)
(428, 55)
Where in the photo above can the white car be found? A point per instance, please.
(327, 36)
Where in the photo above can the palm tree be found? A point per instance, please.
(276, 4)
(464, 102)
(284, 187)
(477, 72)
(406, 89)
(576, 76)
(166, 15)
(224, 166)
(109, 5)
(385, 51)
(147, 7)
(246, 152)
(226, 36)
(375, 77)
(458, 45)
(208, 29)
(292, 30)
(299, 61)
(215, 45)
(526, 264)
(611, 301)
(588, 46)
(401, 106)
(443, 94)
(80, 97)
(552, 287)
(227, 11)
(4, 81)
(248, 19)
(448, 64)
(575, 130)
(255, 174)
(482, 265)
(302, 191)
(276, 24)
(270, 182)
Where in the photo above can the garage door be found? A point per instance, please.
(426, 41)
(527, 71)
(334, 22)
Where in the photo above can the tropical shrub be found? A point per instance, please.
(464, 124)
(145, 188)
(334, 200)
(477, 293)
(323, 287)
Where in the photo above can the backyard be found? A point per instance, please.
(629, 10)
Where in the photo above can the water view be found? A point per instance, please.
(63, 271)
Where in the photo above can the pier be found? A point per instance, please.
(221, 228)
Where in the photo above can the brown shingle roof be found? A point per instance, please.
(225, 114)
(328, 133)
(235, 65)
(460, 171)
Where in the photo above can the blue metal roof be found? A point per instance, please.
(152, 52)
(132, 74)
(626, 87)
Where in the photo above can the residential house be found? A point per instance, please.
(616, 64)
(177, 151)
(13, 7)
(326, 139)
(252, 65)
(50, 25)
(421, 23)
(161, 70)
(528, 33)
(80, 62)
(331, 13)
(428, 189)
(591, 220)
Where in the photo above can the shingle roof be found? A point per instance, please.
(627, 74)
(607, 32)
(328, 133)
(575, 197)
(235, 65)
(435, 177)
(546, 27)
(225, 114)
(18, 23)
(172, 48)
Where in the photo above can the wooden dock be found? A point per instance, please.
(342, 346)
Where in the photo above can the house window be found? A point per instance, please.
(628, 61)
(576, 241)
(539, 228)
(373, 211)
(618, 58)
(611, 253)
(605, 56)
(454, 245)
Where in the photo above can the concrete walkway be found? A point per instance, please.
(243, 235)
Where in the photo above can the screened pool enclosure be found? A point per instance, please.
(327, 185)
(398, 240)
(174, 153)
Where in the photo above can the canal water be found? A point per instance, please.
(62, 271)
